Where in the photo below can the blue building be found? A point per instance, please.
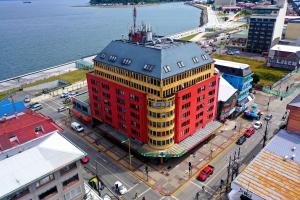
(239, 75)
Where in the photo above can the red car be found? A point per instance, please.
(85, 160)
(250, 131)
(206, 172)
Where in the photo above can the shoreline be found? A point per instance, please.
(117, 5)
(21, 80)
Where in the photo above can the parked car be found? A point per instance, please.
(64, 95)
(85, 160)
(241, 140)
(36, 107)
(206, 172)
(257, 125)
(31, 104)
(27, 99)
(73, 93)
(119, 187)
(77, 127)
(268, 117)
(249, 132)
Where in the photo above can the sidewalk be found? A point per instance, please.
(172, 175)
(19, 81)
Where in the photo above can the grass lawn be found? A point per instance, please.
(71, 77)
(267, 75)
(187, 38)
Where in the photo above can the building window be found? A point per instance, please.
(132, 114)
(44, 180)
(211, 100)
(73, 193)
(211, 84)
(211, 92)
(121, 117)
(135, 124)
(186, 96)
(122, 126)
(120, 92)
(184, 115)
(200, 107)
(202, 88)
(186, 106)
(94, 90)
(183, 124)
(106, 94)
(210, 108)
(134, 132)
(200, 98)
(105, 86)
(120, 101)
(133, 106)
(48, 193)
(71, 181)
(94, 82)
(68, 168)
(199, 115)
(185, 131)
(133, 97)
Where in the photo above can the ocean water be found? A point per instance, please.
(51, 32)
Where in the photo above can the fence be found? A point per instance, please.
(269, 89)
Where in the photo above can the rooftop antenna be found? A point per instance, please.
(134, 18)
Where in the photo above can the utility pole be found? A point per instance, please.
(228, 173)
(147, 171)
(129, 151)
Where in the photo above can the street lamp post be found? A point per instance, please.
(129, 151)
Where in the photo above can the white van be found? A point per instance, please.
(77, 127)
(36, 107)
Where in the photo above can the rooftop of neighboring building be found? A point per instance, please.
(233, 68)
(225, 90)
(23, 127)
(274, 173)
(295, 102)
(83, 97)
(159, 58)
(7, 107)
(286, 48)
(51, 153)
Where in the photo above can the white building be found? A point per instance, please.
(45, 168)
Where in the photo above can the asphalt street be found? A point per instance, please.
(109, 171)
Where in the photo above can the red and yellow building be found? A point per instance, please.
(157, 91)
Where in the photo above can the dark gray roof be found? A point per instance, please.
(295, 102)
(159, 55)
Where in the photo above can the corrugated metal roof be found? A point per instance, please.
(269, 176)
(8, 108)
(159, 55)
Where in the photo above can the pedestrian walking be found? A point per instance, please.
(136, 195)
(197, 195)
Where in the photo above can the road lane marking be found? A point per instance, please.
(162, 198)
(174, 197)
(134, 186)
(204, 188)
(118, 178)
(144, 192)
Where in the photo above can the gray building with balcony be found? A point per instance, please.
(45, 168)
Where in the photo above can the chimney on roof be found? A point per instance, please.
(294, 148)
(285, 158)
